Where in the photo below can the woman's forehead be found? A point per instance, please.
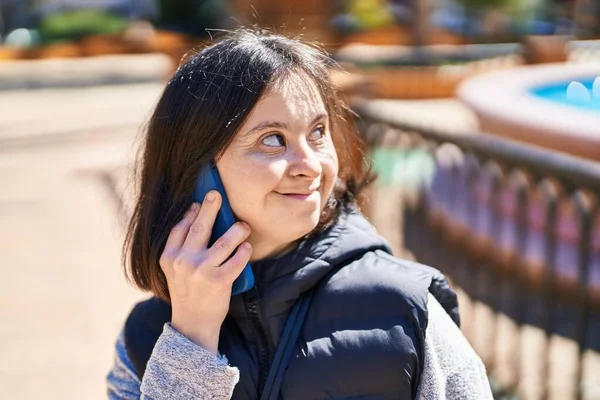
(293, 97)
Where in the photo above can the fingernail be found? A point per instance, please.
(192, 208)
(210, 197)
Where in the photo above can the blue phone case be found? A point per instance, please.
(208, 180)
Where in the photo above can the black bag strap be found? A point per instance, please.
(285, 348)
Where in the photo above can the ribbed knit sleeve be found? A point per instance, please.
(177, 369)
(452, 369)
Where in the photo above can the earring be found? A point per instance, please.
(332, 202)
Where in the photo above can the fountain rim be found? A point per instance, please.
(506, 96)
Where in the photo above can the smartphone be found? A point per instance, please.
(209, 179)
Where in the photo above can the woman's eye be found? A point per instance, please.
(318, 133)
(274, 140)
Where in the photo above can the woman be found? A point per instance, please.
(291, 162)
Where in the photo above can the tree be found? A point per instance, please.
(193, 16)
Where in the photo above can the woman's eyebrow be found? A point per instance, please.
(266, 125)
(318, 118)
(279, 125)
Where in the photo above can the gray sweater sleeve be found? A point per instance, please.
(180, 369)
(177, 369)
(452, 369)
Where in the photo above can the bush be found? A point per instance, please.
(74, 25)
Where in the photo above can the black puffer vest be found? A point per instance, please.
(364, 333)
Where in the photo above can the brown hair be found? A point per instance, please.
(198, 114)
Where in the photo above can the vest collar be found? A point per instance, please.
(281, 281)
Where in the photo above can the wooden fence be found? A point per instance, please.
(517, 231)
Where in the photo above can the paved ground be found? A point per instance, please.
(85, 71)
(63, 295)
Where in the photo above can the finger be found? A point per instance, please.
(231, 269)
(179, 231)
(201, 229)
(222, 249)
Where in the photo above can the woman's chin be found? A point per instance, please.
(297, 226)
(282, 231)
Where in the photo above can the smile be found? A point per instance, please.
(312, 196)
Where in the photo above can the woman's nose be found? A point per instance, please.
(304, 161)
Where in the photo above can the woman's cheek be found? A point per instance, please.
(329, 153)
(262, 176)
(330, 166)
(331, 177)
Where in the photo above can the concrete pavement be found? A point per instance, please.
(63, 295)
(84, 71)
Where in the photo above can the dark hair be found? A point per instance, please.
(198, 114)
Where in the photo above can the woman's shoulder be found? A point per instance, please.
(390, 275)
(380, 264)
(438, 287)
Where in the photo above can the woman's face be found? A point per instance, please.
(281, 166)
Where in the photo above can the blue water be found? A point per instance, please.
(557, 93)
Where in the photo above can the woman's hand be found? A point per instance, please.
(199, 278)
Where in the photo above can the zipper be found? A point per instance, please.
(251, 303)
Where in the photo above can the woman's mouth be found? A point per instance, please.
(312, 196)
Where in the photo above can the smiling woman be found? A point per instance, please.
(242, 102)
(332, 313)
(285, 149)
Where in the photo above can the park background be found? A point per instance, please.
(482, 119)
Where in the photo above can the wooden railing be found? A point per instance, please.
(516, 229)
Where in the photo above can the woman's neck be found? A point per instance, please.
(262, 249)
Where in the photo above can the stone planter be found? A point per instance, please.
(545, 49)
(97, 45)
(62, 50)
(411, 83)
(135, 40)
(8, 53)
(176, 45)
